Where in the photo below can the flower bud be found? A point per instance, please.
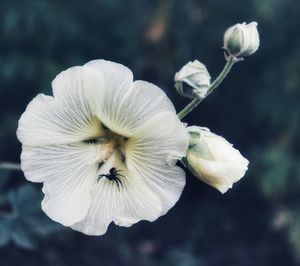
(195, 75)
(213, 160)
(241, 39)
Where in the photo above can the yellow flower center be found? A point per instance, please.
(109, 143)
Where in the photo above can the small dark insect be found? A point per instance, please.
(113, 176)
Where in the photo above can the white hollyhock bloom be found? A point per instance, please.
(213, 160)
(99, 119)
(241, 39)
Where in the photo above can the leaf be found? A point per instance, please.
(23, 237)
(42, 225)
(26, 199)
(5, 231)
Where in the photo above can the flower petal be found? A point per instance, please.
(126, 105)
(68, 116)
(153, 152)
(143, 101)
(69, 172)
(132, 201)
(118, 78)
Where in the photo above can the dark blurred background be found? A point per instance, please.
(256, 108)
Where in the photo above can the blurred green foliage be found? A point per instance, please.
(256, 108)
(21, 217)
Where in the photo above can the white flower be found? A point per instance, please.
(213, 159)
(99, 119)
(241, 39)
(194, 74)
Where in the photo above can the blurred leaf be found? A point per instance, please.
(183, 258)
(23, 236)
(5, 231)
(25, 200)
(278, 172)
(43, 225)
(293, 230)
(26, 221)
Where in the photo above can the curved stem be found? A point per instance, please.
(230, 62)
(10, 166)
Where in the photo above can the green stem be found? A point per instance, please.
(10, 166)
(230, 62)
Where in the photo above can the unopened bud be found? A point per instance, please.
(213, 160)
(241, 39)
(192, 80)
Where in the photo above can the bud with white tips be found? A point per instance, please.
(241, 40)
(195, 75)
(213, 160)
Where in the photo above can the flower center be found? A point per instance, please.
(109, 143)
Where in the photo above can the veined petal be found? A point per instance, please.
(68, 116)
(69, 173)
(126, 105)
(142, 102)
(125, 204)
(118, 80)
(153, 152)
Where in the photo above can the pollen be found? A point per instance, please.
(105, 150)
(113, 143)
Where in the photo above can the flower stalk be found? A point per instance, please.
(194, 103)
(10, 166)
